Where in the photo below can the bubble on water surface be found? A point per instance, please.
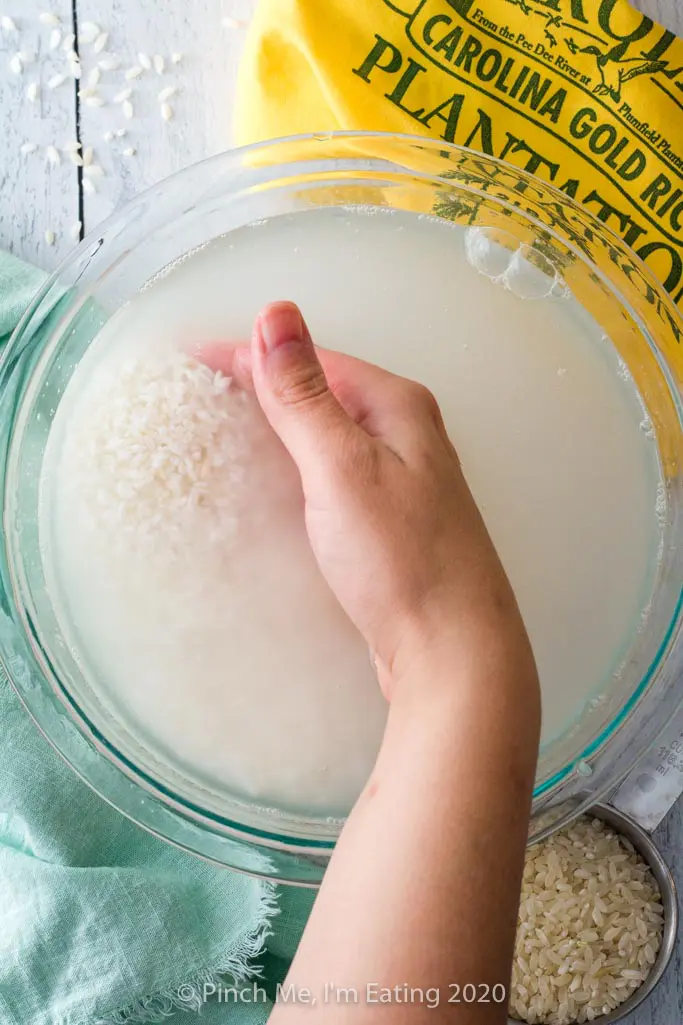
(661, 504)
(518, 267)
(622, 370)
(647, 427)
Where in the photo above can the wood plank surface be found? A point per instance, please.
(35, 197)
(202, 108)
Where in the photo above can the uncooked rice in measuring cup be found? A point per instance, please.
(589, 929)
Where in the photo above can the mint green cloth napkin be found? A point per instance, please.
(99, 921)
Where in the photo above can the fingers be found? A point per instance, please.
(241, 369)
(293, 391)
(402, 413)
(375, 398)
(232, 359)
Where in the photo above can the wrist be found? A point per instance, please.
(450, 714)
(447, 646)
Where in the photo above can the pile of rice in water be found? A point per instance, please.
(590, 926)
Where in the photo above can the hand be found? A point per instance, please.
(401, 543)
(390, 518)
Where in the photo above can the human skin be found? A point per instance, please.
(423, 887)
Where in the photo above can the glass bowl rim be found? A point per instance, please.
(235, 157)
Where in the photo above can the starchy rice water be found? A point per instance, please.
(173, 527)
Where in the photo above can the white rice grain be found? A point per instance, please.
(109, 63)
(89, 32)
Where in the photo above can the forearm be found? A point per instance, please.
(424, 885)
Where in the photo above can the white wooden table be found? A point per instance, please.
(36, 198)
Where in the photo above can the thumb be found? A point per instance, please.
(292, 389)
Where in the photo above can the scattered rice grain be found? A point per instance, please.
(133, 72)
(75, 230)
(89, 187)
(128, 109)
(109, 63)
(167, 93)
(52, 156)
(166, 111)
(145, 61)
(50, 237)
(89, 31)
(124, 95)
(48, 18)
(33, 92)
(15, 64)
(159, 64)
(101, 42)
(28, 147)
(8, 24)
(55, 38)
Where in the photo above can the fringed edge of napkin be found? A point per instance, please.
(188, 995)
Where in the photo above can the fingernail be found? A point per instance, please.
(279, 324)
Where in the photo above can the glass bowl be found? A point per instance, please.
(562, 243)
